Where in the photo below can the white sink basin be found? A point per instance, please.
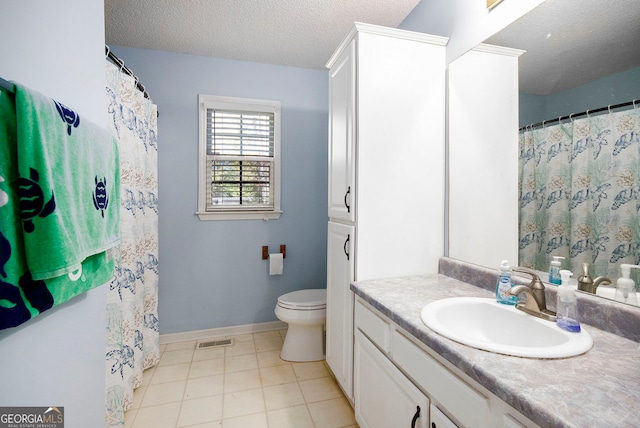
(485, 324)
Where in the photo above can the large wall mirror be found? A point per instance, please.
(580, 56)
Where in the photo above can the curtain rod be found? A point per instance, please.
(574, 115)
(120, 63)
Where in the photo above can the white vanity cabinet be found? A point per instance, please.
(393, 375)
(384, 397)
(386, 169)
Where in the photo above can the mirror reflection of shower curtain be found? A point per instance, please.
(132, 298)
(579, 184)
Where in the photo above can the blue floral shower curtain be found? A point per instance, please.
(132, 298)
(579, 186)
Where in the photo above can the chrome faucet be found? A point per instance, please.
(588, 284)
(535, 302)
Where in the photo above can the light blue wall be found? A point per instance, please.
(431, 17)
(58, 358)
(211, 272)
(615, 89)
(532, 107)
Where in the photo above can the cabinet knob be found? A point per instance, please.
(415, 417)
(345, 199)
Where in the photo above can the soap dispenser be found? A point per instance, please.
(503, 285)
(567, 305)
(554, 271)
(626, 288)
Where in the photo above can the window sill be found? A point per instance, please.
(239, 215)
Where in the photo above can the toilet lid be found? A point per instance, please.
(307, 299)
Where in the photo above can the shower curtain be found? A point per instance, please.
(132, 297)
(579, 186)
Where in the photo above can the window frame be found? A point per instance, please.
(206, 102)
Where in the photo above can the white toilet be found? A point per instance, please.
(305, 311)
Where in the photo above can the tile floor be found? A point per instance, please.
(242, 385)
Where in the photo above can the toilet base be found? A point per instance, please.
(303, 343)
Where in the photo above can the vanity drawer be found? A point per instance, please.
(459, 399)
(375, 328)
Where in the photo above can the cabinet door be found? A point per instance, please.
(340, 304)
(439, 419)
(341, 136)
(384, 397)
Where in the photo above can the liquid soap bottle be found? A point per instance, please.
(504, 284)
(554, 271)
(626, 288)
(567, 305)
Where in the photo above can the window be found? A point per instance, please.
(239, 169)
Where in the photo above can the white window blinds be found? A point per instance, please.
(242, 156)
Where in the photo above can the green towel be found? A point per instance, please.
(22, 296)
(69, 185)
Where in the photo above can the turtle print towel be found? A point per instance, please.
(59, 205)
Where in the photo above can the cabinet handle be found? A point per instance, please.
(344, 247)
(345, 199)
(415, 418)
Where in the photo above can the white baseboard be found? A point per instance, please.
(221, 332)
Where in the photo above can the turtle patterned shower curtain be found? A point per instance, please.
(132, 298)
(579, 185)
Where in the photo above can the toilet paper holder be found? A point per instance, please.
(265, 252)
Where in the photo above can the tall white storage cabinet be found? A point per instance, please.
(386, 169)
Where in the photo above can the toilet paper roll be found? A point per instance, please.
(275, 264)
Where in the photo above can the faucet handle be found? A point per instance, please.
(536, 285)
(536, 282)
(585, 282)
(585, 269)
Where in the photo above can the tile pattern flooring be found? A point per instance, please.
(242, 385)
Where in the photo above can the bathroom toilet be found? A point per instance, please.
(305, 311)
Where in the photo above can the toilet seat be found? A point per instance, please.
(304, 300)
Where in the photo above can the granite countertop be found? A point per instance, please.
(598, 389)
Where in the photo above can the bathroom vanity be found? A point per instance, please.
(407, 375)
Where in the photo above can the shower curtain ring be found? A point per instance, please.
(609, 108)
(588, 117)
(634, 104)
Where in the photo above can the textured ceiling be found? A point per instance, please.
(568, 42)
(571, 42)
(300, 33)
